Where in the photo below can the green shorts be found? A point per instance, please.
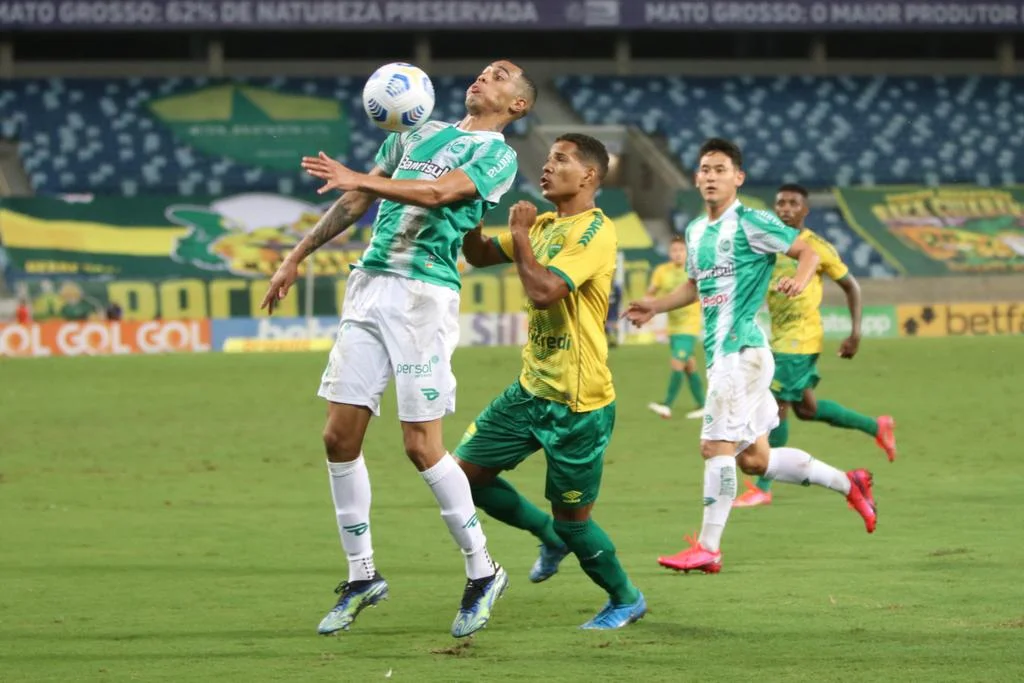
(683, 346)
(517, 424)
(793, 374)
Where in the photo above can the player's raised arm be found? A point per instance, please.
(349, 208)
(807, 265)
(543, 287)
(640, 312)
(481, 251)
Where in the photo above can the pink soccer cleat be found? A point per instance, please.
(753, 497)
(861, 499)
(696, 558)
(886, 438)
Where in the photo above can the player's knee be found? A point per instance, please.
(421, 448)
(341, 445)
(805, 411)
(678, 365)
(690, 366)
(573, 514)
(753, 460)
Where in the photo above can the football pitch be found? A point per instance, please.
(169, 519)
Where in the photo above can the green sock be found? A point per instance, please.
(501, 501)
(675, 383)
(836, 415)
(776, 439)
(696, 388)
(596, 554)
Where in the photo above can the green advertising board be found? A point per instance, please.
(955, 230)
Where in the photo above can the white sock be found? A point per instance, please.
(719, 493)
(350, 489)
(794, 466)
(451, 488)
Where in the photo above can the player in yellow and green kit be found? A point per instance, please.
(683, 331)
(797, 335)
(563, 401)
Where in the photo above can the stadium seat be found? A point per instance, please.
(827, 131)
(98, 135)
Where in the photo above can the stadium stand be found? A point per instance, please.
(833, 130)
(98, 135)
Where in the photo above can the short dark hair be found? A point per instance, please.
(729, 149)
(529, 87)
(678, 238)
(589, 150)
(794, 187)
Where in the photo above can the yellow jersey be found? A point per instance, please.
(796, 323)
(566, 356)
(666, 278)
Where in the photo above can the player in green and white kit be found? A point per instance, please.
(731, 251)
(400, 320)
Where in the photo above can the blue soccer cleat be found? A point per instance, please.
(353, 598)
(616, 616)
(546, 565)
(477, 601)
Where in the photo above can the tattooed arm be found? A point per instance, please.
(349, 208)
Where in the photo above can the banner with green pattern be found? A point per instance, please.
(211, 256)
(954, 230)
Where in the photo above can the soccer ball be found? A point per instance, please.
(398, 97)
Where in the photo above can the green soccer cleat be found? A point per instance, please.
(477, 601)
(354, 597)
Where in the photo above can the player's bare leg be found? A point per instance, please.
(499, 498)
(350, 489)
(760, 492)
(485, 581)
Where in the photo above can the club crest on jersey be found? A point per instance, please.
(424, 167)
(725, 246)
(457, 147)
(555, 246)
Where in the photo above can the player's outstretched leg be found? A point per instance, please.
(794, 466)
(883, 428)
(503, 502)
(760, 493)
(596, 554)
(350, 491)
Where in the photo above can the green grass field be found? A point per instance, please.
(169, 519)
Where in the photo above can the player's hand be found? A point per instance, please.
(338, 175)
(790, 287)
(849, 347)
(282, 281)
(521, 217)
(639, 312)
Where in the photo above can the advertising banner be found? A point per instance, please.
(957, 230)
(212, 257)
(98, 338)
(552, 15)
(961, 320)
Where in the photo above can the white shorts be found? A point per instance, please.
(397, 327)
(740, 406)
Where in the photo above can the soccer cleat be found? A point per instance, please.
(546, 565)
(660, 409)
(695, 414)
(353, 598)
(616, 616)
(694, 558)
(861, 499)
(477, 601)
(753, 497)
(886, 438)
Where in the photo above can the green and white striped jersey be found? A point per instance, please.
(420, 243)
(732, 260)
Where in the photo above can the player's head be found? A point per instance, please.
(576, 164)
(501, 88)
(791, 204)
(719, 172)
(677, 250)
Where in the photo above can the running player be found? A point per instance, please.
(797, 335)
(683, 329)
(564, 400)
(731, 253)
(400, 320)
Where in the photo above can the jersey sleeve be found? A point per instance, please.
(766, 234)
(390, 153)
(588, 251)
(657, 277)
(492, 168)
(831, 263)
(503, 240)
